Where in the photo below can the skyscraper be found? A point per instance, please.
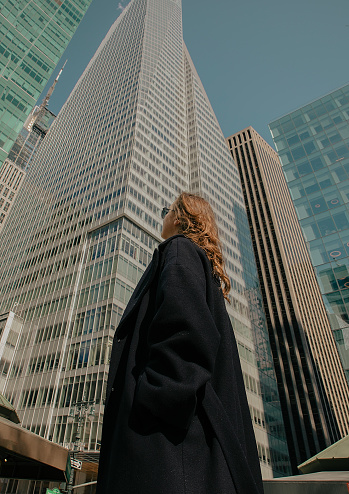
(137, 129)
(30, 137)
(312, 386)
(33, 37)
(13, 171)
(313, 145)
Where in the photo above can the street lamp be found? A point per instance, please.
(80, 410)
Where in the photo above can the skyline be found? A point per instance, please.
(136, 131)
(274, 67)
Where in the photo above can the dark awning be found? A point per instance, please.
(24, 455)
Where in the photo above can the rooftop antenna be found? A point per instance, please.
(50, 91)
(39, 110)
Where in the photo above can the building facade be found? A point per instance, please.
(313, 145)
(13, 171)
(33, 37)
(11, 178)
(30, 137)
(10, 329)
(136, 131)
(312, 386)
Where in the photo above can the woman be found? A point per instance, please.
(176, 416)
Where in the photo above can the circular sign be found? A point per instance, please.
(335, 253)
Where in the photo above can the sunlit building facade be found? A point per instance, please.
(10, 330)
(313, 390)
(136, 131)
(11, 179)
(33, 37)
(313, 145)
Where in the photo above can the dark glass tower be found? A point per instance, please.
(312, 386)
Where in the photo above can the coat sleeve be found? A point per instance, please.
(183, 343)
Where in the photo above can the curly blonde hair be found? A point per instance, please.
(197, 222)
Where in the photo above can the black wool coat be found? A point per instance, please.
(176, 416)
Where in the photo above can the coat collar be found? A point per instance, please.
(143, 285)
(168, 240)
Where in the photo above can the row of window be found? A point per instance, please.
(10, 176)
(53, 252)
(58, 265)
(89, 353)
(50, 307)
(44, 363)
(114, 287)
(49, 333)
(96, 319)
(333, 102)
(36, 398)
(47, 288)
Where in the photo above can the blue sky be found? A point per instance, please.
(256, 59)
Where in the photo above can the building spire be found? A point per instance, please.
(50, 91)
(39, 110)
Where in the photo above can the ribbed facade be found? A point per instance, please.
(137, 130)
(10, 329)
(312, 386)
(11, 179)
(33, 37)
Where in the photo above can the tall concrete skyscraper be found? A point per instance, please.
(313, 145)
(312, 386)
(33, 37)
(137, 130)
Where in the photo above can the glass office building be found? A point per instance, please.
(33, 37)
(137, 130)
(313, 146)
